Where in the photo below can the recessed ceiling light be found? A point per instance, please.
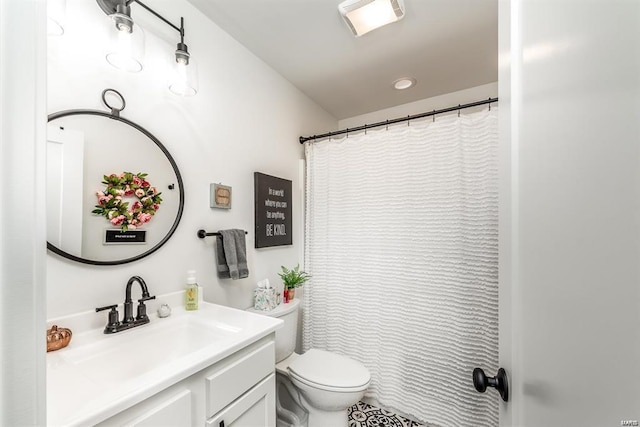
(404, 83)
(363, 16)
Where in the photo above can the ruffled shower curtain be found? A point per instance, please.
(402, 245)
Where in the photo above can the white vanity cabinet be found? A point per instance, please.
(237, 391)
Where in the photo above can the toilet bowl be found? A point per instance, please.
(316, 388)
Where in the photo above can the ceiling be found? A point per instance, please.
(446, 45)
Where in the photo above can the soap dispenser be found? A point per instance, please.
(191, 294)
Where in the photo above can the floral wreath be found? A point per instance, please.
(118, 212)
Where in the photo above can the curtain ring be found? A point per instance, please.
(347, 132)
(458, 110)
(489, 104)
(408, 121)
(387, 124)
(434, 116)
(365, 128)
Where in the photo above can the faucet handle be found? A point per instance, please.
(142, 309)
(113, 324)
(107, 307)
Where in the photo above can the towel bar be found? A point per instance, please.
(202, 234)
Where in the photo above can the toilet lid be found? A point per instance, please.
(330, 369)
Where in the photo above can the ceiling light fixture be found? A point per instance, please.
(363, 16)
(404, 83)
(128, 46)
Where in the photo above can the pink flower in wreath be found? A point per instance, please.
(137, 181)
(128, 191)
(104, 199)
(131, 227)
(118, 220)
(136, 205)
(139, 192)
(120, 193)
(152, 191)
(156, 206)
(144, 217)
(145, 184)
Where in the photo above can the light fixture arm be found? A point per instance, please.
(163, 19)
(110, 6)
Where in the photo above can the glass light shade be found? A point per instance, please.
(363, 16)
(56, 17)
(126, 49)
(184, 78)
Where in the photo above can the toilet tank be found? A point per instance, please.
(285, 336)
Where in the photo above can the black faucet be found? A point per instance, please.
(128, 321)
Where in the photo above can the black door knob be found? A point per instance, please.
(499, 382)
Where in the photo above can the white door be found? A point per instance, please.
(65, 180)
(570, 212)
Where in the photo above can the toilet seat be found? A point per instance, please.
(328, 371)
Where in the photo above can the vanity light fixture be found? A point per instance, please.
(363, 16)
(128, 46)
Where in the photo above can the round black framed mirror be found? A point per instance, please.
(114, 192)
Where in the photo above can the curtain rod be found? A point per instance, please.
(304, 139)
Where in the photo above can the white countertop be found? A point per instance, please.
(99, 375)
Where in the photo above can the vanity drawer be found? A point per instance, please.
(236, 375)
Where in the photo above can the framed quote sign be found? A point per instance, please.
(272, 210)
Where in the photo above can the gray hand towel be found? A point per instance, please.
(235, 252)
(221, 261)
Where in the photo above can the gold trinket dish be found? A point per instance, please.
(57, 338)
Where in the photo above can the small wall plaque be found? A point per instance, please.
(220, 196)
(130, 237)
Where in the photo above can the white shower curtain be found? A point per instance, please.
(402, 245)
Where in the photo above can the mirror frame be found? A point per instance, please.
(114, 115)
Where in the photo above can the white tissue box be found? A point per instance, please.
(265, 299)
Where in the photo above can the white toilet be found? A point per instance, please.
(316, 388)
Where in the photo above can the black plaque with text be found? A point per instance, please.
(129, 237)
(272, 210)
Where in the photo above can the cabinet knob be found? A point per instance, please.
(500, 382)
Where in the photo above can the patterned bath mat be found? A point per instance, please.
(364, 415)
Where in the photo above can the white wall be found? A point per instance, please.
(465, 96)
(245, 118)
(570, 211)
(22, 224)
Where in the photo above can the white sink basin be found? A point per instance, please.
(119, 357)
(99, 374)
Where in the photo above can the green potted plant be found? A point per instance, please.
(292, 279)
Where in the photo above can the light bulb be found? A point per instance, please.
(184, 77)
(126, 49)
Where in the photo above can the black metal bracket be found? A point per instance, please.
(202, 234)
